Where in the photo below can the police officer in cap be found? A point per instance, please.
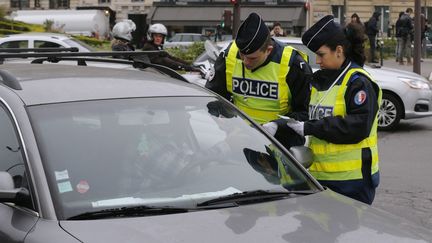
(264, 78)
(343, 112)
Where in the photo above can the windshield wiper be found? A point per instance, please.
(252, 197)
(129, 211)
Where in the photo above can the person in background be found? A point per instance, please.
(342, 113)
(264, 78)
(355, 19)
(122, 33)
(406, 32)
(398, 36)
(156, 35)
(372, 31)
(277, 30)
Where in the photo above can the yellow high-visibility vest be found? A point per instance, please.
(340, 161)
(264, 93)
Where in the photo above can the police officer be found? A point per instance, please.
(264, 78)
(155, 39)
(122, 33)
(343, 112)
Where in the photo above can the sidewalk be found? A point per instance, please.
(425, 66)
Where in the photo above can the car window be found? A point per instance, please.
(187, 38)
(46, 44)
(82, 47)
(15, 44)
(11, 154)
(154, 150)
(176, 38)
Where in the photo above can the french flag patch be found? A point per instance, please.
(360, 97)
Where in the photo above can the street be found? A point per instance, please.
(405, 165)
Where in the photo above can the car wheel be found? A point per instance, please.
(389, 113)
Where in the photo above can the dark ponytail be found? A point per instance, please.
(356, 37)
(352, 40)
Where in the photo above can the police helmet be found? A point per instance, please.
(123, 29)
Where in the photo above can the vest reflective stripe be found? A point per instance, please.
(324, 148)
(341, 161)
(260, 108)
(352, 161)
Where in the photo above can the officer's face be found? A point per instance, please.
(254, 60)
(158, 39)
(329, 59)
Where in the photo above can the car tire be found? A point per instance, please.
(389, 113)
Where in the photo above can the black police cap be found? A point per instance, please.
(252, 34)
(321, 32)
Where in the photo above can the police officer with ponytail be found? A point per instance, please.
(264, 78)
(343, 112)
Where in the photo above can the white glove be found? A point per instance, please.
(270, 127)
(207, 73)
(297, 126)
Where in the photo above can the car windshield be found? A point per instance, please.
(167, 151)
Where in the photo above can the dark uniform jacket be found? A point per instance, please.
(165, 59)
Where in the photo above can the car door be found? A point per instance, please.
(16, 221)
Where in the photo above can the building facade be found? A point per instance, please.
(389, 10)
(201, 16)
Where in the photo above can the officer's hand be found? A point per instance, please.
(270, 127)
(207, 73)
(295, 125)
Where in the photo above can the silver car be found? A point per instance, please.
(406, 95)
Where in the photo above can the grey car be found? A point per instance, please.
(91, 154)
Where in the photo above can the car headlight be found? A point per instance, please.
(415, 83)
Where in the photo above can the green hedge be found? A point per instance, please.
(188, 54)
(91, 41)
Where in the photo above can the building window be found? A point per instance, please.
(384, 20)
(134, 1)
(104, 1)
(338, 13)
(20, 4)
(53, 4)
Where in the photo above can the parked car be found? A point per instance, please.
(406, 95)
(42, 40)
(91, 154)
(183, 40)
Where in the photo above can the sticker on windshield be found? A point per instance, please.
(64, 187)
(61, 175)
(82, 186)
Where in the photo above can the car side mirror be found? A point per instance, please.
(8, 192)
(303, 155)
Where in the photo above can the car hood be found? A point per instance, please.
(321, 217)
(389, 73)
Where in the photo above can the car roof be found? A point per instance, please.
(54, 83)
(39, 35)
